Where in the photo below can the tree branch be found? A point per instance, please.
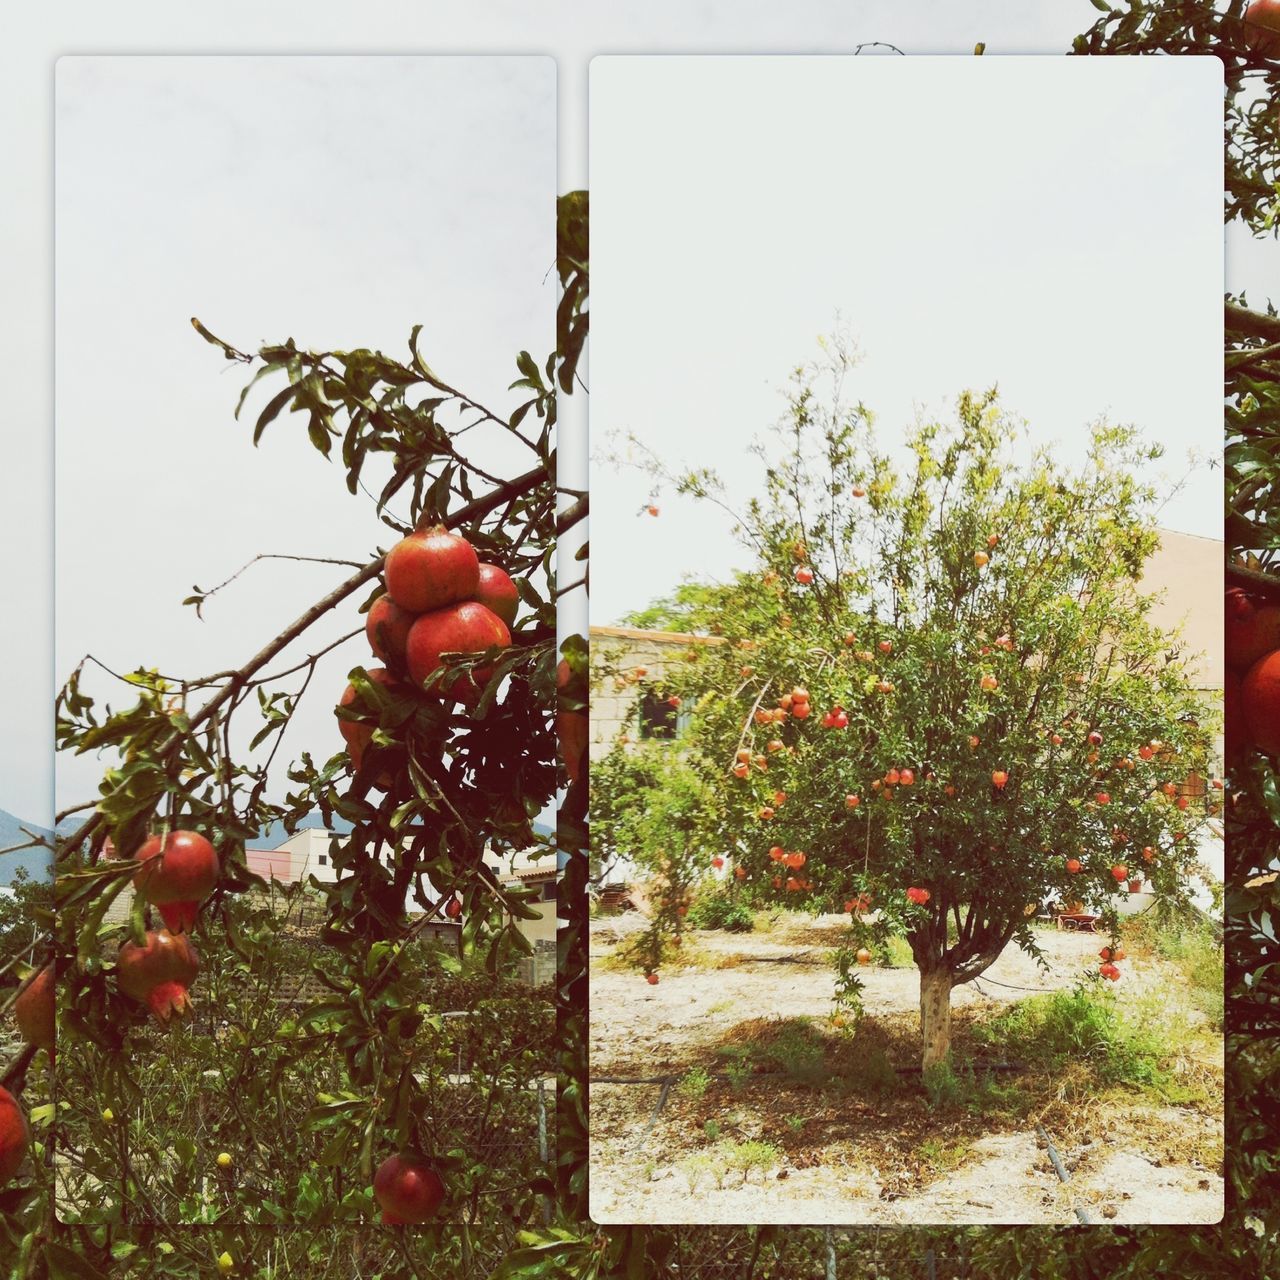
(1254, 323)
(239, 678)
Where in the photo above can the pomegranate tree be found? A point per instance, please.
(446, 760)
(1016, 725)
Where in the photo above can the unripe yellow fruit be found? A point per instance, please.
(108, 1115)
(224, 1160)
(226, 1263)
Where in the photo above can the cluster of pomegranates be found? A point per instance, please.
(439, 599)
(179, 871)
(1107, 966)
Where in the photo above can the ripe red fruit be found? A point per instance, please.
(893, 777)
(15, 1137)
(1109, 971)
(466, 628)
(885, 646)
(651, 509)
(741, 770)
(177, 878)
(858, 491)
(159, 972)
(572, 727)
(1264, 17)
(34, 1010)
(1260, 700)
(907, 777)
(1074, 865)
(387, 629)
(776, 853)
(850, 639)
(918, 896)
(357, 735)
(804, 575)
(1056, 739)
(651, 979)
(1105, 953)
(717, 862)
(852, 802)
(1120, 871)
(453, 909)
(1251, 633)
(1095, 739)
(800, 710)
(431, 568)
(407, 1191)
(999, 778)
(1102, 798)
(864, 956)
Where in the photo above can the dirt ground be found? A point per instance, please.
(840, 1153)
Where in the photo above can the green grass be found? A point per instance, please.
(1198, 954)
(1130, 1048)
(897, 953)
(693, 1084)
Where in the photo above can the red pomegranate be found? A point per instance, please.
(407, 1191)
(387, 627)
(1251, 631)
(34, 1010)
(178, 878)
(357, 735)
(1260, 701)
(1264, 17)
(159, 972)
(468, 627)
(431, 568)
(572, 728)
(498, 592)
(14, 1135)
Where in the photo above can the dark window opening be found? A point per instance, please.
(657, 717)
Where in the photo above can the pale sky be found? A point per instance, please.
(1069, 250)
(337, 201)
(572, 31)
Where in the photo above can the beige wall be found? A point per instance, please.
(616, 651)
(1188, 573)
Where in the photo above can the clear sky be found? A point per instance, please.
(337, 201)
(1050, 225)
(572, 31)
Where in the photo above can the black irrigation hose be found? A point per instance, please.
(1061, 1171)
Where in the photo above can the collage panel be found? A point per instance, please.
(906, 642)
(306, 774)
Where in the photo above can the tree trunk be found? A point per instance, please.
(935, 1015)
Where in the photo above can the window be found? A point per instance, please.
(657, 717)
(324, 859)
(549, 891)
